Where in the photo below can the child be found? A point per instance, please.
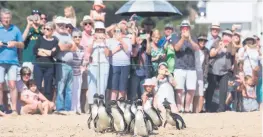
(34, 101)
(97, 13)
(148, 88)
(249, 94)
(69, 13)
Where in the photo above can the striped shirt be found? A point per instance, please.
(77, 61)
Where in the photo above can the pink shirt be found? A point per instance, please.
(30, 95)
(85, 42)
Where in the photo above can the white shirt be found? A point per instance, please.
(199, 60)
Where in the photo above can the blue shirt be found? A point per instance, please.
(9, 55)
(185, 57)
(163, 40)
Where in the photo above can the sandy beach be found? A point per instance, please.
(228, 124)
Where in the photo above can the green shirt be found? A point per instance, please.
(170, 58)
(27, 53)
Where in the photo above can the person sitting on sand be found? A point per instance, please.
(34, 102)
(148, 88)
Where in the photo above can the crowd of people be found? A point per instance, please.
(53, 67)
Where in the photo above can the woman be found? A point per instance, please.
(98, 68)
(121, 48)
(156, 52)
(45, 49)
(78, 69)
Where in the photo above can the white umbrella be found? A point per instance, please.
(148, 8)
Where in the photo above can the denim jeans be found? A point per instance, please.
(64, 77)
(135, 87)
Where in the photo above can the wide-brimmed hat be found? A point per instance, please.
(62, 20)
(202, 37)
(249, 37)
(185, 23)
(99, 3)
(215, 25)
(99, 25)
(228, 32)
(87, 19)
(148, 82)
(148, 21)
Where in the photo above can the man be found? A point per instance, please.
(221, 55)
(168, 34)
(64, 72)
(185, 72)
(214, 36)
(30, 36)
(87, 25)
(10, 40)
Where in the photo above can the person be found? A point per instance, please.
(164, 88)
(69, 13)
(87, 25)
(30, 36)
(78, 68)
(221, 60)
(185, 73)
(201, 65)
(43, 19)
(45, 50)
(70, 28)
(148, 86)
(250, 53)
(120, 61)
(168, 46)
(259, 86)
(98, 67)
(10, 40)
(214, 35)
(64, 72)
(34, 102)
(97, 14)
(157, 53)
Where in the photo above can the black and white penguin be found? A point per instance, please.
(143, 123)
(103, 121)
(172, 118)
(94, 109)
(119, 123)
(121, 103)
(129, 116)
(134, 107)
(153, 113)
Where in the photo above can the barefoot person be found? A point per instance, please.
(35, 102)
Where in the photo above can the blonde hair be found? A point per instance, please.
(156, 33)
(72, 10)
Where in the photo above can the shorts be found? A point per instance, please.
(10, 70)
(185, 78)
(200, 84)
(119, 76)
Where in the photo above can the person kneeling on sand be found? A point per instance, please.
(34, 102)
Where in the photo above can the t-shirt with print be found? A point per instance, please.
(185, 57)
(30, 41)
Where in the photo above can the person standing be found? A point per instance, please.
(221, 60)
(185, 73)
(10, 40)
(214, 35)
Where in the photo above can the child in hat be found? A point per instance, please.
(148, 88)
(97, 14)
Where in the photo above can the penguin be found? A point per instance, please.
(134, 107)
(129, 116)
(172, 118)
(143, 123)
(152, 112)
(94, 109)
(121, 103)
(103, 120)
(119, 123)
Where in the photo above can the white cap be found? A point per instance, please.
(99, 25)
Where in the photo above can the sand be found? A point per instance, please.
(228, 124)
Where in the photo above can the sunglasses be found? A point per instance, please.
(77, 37)
(85, 24)
(26, 74)
(43, 18)
(48, 29)
(69, 27)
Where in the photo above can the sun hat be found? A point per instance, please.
(168, 26)
(87, 19)
(215, 25)
(62, 20)
(249, 36)
(148, 82)
(99, 3)
(185, 23)
(99, 25)
(227, 32)
(202, 37)
(148, 21)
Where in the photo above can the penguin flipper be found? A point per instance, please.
(112, 123)
(177, 125)
(178, 117)
(131, 127)
(165, 123)
(89, 120)
(96, 120)
(149, 122)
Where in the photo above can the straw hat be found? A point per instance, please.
(148, 82)
(99, 25)
(185, 23)
(215, 25)
(99, 3)
(249, 37)
(227, 32)
(87, 19)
